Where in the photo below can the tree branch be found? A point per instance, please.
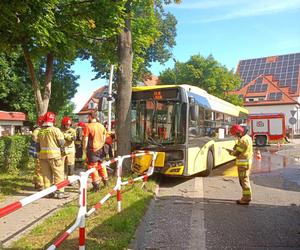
(35, 84)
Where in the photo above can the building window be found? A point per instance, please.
(91, 105)
(275, 96)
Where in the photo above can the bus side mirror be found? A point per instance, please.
(194, 109)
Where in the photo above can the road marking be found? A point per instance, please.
(197, 216)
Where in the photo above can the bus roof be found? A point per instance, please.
(203, 98)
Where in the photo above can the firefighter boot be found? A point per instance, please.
(96, 187)
(243, 202)
(105, 182)
(61, 195)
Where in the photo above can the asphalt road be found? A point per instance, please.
(200, 213)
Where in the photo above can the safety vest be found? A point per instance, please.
(69, 136)
(244, 151)
(50, 141)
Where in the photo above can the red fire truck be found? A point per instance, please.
(267, 127)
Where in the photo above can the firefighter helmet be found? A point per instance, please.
(66, 121)
(49, 119)
(81, 124)
(236, 129)
(40, 121)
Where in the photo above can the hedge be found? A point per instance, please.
(14, 152)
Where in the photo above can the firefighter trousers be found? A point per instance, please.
(244, 173)
(52, 171)
(38, 178)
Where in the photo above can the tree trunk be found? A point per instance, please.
(35, 84)
(40, 103)
(124, 81)
(48, 81)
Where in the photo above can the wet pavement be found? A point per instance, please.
(200, 213)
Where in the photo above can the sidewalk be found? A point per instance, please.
(21, 221)
(14, 225)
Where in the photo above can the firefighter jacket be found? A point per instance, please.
(33, 151)
(51, 141)
(243, 150)
(95, 134)
(69, 137)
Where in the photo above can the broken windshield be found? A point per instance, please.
(157, 122)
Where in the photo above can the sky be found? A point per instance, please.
(230, 30)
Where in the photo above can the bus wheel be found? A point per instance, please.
(261, 141)
(209, 164)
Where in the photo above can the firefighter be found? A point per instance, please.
(94, 138)
(243, 150)
(38, 178)
(68, 157)
(78, 144)
(50, 143)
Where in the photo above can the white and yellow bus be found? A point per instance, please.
(186, 125)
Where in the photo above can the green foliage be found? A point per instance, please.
(14, 152)
(153, 37)
(206, 73)
(15, 87)
(58, 26)
(16, 91)
(59, 29)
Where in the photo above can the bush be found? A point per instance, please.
(14, 152)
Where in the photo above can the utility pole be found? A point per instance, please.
(175, 67)
(109, 99)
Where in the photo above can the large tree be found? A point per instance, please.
(54, 30)
(206, 73)
(147, 35)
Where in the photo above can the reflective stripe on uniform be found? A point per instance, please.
(242, 162)
(49, 150)
(247, 192)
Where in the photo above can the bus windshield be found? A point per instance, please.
(157, 122)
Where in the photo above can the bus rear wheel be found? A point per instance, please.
(209, 164)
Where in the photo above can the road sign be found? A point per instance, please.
(293, 112)
(292, 120)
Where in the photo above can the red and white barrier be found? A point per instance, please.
(80, 220)
(82, 213)
(21, 203)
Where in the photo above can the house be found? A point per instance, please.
(96, 100)
(11, 122)
(91, 104)
(272, 85)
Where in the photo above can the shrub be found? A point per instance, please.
(14, 152)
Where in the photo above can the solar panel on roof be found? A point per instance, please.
(284, 68)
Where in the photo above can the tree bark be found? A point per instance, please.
(124, 88)
(35, 84)
(48, 81)
(41, 103)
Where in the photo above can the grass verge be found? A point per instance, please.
(105, 228)
(12, 183)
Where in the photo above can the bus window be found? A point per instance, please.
(219, 118)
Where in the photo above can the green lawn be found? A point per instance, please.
(106, 229)
(12, 183)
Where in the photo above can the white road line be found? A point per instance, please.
(197, 218)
